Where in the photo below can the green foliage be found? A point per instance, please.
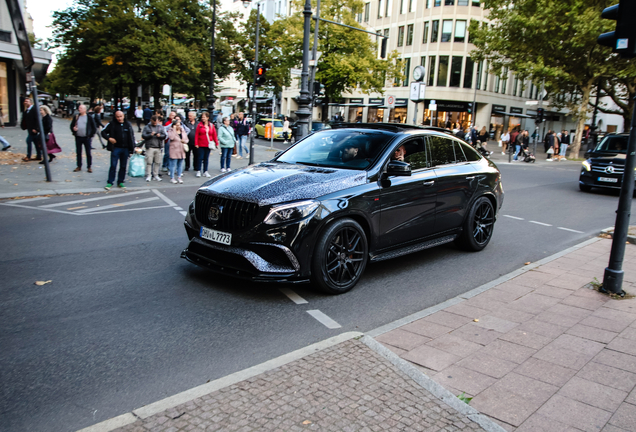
(462, 397)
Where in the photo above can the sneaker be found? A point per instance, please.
(108, 186)
(207, 174)
(222, 169)
(157, 178)
(180, 180)
(121, 186)
(228, 169)
(7, 147)
(503, 153)
(198, 174)
(563, 158)
(164, 169)
(239, 157)
(173, 181)
(148, 178)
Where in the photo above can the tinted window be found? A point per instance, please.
(613, 144)
(471, 154)
(459, 154)
(416, 154)
(441, 150)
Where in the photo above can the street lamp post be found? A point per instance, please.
(211, 98)
(246, 3)
(304, 100)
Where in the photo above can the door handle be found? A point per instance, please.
(429, 183)
(470, 178)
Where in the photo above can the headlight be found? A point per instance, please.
(290, 212)
(587, 166)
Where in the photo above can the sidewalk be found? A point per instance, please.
(538, 350)
(18, 178)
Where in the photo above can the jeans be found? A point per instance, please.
(166, 154)
(204, 155)
(138, 125)
(517, 150)
(32, 139)
(4, 142)
(226, 157)
(564, 148)
(120, 155)
(153, 155)
(86, 142)
(242, 140)
(175, 163)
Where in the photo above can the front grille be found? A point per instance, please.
(234, 215)
(600, 168)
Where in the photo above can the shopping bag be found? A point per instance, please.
(137, 166)
(499, 144)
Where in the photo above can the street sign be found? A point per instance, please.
(418, 91)
(432, 107)
(390, 101)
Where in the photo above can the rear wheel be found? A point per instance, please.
(584, 187)
(340, 257)
(478, 226)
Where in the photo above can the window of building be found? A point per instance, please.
(435, 31)
(367, 10)
(485, 76)
(396, 80)
(438, 3)
(425, 37)
(423, 61)
(5, 36)
(456, 71)
(442, 71)
(504, 82)
(386, 33)
(462, 2)
(431, 70)
(411, 5)
(379, 8)
(402, 6)
(497, 79)
(480, 68)
(387, 6)
(400, 36)
(468, 73)
(359, 17)
(476, 3)
(407, 70)
(409, 35)
(460, 30)
(428, 4)
(447, 30)
(449, 2)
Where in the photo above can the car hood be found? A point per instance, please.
(614, 158)
(271, 183)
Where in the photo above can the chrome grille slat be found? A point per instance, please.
(235, 215)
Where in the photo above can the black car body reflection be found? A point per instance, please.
(340, 198)
(605, 164)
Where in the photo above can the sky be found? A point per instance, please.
(42, 13)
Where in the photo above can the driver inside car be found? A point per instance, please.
(349, 152)
(399, 154)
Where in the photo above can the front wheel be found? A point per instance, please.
(478, 226)
(340, 257)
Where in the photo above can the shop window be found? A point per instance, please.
(468, 73)
(460, 30)
(407, 71)
(379, 8)
(400, 41)
(456, 71)
(442, 71)
(449, 2)
(367, 10)
(447, 30)
(462, 2)
(409, 35)
(441, 150)
(5, 36)
(425, 37)
(435, 31)
(431, 70)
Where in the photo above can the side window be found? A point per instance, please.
(415, 154)
(471, 154)
(441, 151)
(459, 154)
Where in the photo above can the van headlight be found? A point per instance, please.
(290, 212)
(587, 166)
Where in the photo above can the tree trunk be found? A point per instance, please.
(581, 117)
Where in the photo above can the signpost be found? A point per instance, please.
(418, 93)
(432, 107)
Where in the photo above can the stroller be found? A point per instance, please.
(525, 155)
(479, 147)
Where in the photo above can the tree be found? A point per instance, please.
(622, 91)
(552, 42)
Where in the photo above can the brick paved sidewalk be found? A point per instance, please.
(540, 352)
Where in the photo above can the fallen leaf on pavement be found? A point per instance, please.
(528, 263)
(40, 283)
(476, 320)
(306, 422)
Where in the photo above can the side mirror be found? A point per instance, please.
(398, 168)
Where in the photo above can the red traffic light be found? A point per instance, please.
(260, 71)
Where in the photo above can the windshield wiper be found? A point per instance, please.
(307, 163)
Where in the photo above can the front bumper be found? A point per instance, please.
(591, 179)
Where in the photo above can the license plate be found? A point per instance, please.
(216, 236)
(608, 179)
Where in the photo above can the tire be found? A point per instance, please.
(340, 257)
(584, 187)
(478, 226)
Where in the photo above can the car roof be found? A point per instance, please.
(390, 127)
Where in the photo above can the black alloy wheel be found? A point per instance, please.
(478, 226)
(340, 257)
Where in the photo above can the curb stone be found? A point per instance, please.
(610, 232)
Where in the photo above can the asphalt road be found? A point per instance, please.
(126, 322)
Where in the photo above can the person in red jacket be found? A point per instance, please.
(204, 140)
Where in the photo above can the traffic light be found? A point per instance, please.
(623, 39)
(383, 48)
(540, 114)
(260, 75)
(318, 92)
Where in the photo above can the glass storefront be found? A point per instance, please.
(398, 115)
(375, 115)
(4, 93)
(355, 115)
(514, 122)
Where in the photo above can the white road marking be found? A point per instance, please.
(178, 208)
(124, 210)
(324, 319)
(514, 217)
(183, 213)
(539, 223)
(31, 199)
(38, 208)
(92, 199)
(293, 296)
(110, 206)
(165, 198)
(571, 230)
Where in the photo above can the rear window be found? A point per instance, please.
(613, 144)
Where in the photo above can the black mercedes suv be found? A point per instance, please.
(604, 165)
(340, 198)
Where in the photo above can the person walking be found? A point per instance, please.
(83, 128)
(191, 123)
(505, 140)
(286, 130)
(548, 144)
(178, 137)
(47, 125)
(98, 117)
(121, 143)
(29, 123)
(483, 137)
(139, 116)
(147, 115)
(204, 140)
(227, 142)
(565, 142)
(242, 131)
(154, 136)
(234, 124)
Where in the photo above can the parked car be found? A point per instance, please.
(278, 128)
(604, 165)
(339, 199)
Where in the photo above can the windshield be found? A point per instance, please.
(613, 144)
(338, 148)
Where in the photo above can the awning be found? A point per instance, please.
(513, 114)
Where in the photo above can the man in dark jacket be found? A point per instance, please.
(154, 135)
(83, 128)
(121, 143)
(147, 115)
(29, 123)
(191, 124)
